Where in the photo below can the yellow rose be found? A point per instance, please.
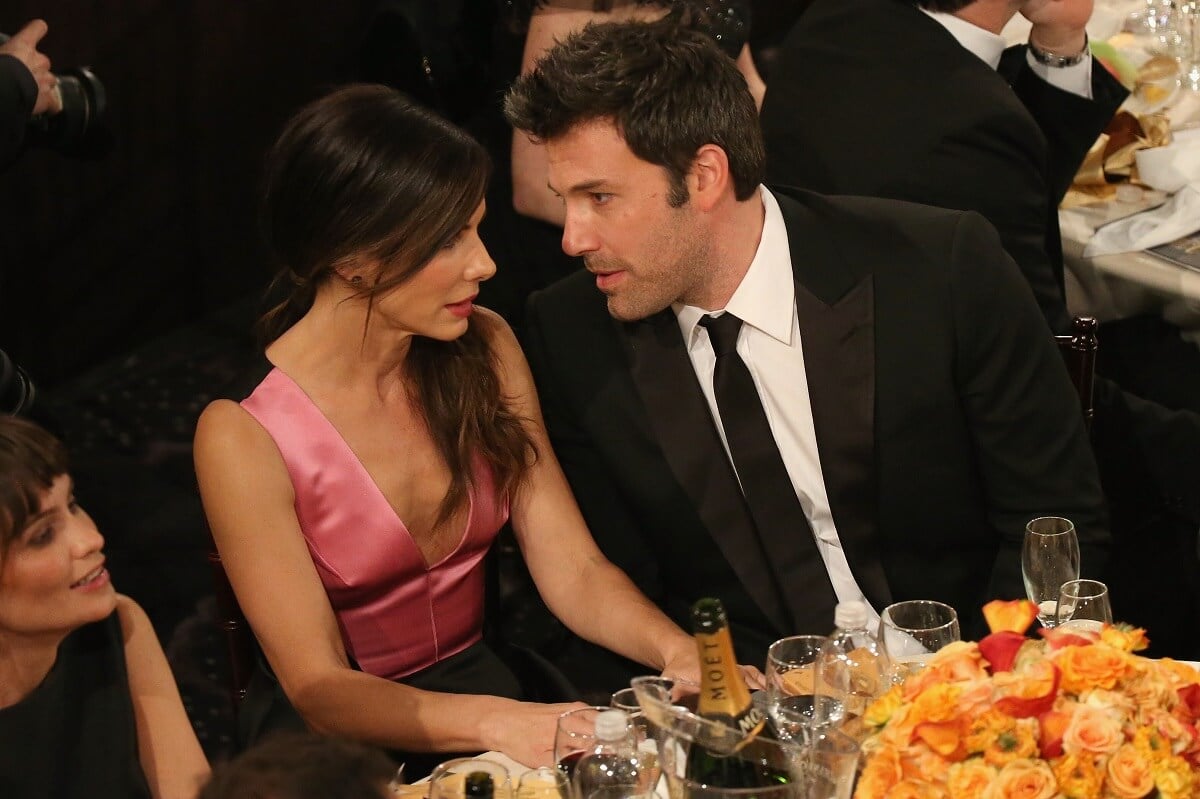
(1129, 774)
(1151, 743)
(969, 779)
(881, 710)
(1092, 730)
(1124, 637)
(1016, 744)
(1079, 776)
(1087, 667)
(1173, 778)
(983, 730)
(1023, 779)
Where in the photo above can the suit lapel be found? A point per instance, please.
(682, 423)
(835, 304)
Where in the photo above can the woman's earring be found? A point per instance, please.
(356, 281)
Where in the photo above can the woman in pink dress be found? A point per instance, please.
(356, 484)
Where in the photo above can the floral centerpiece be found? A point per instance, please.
(1074, 715)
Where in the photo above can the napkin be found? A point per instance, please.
(1176, 218)
(1172, 166)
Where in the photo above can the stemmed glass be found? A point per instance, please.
(574, 736)
(1049, 558)
(1083, 605)
(792, 698)
(912, 631)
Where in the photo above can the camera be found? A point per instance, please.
(77, 130)
(16, 389)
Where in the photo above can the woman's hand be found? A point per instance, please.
(753, 677)
(525, 730)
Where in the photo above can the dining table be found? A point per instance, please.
(1113, 285)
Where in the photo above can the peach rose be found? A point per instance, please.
(1016, 744)
(1087, 667)
(1023, 779)
(881, 772)
(1092, 730)
(969, 779)
(1128, 773)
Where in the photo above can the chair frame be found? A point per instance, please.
(1078, 349)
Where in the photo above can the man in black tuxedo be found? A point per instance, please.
(913, 404)
(920, 100)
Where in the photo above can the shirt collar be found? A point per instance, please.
(984, 44)
(766, 297)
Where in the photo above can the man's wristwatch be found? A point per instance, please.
(1055, 60)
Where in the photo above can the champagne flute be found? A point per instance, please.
(1049, 558)
(911, 631)
(1083, 605)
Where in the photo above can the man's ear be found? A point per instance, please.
(708, 179)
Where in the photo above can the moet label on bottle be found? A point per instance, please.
(723, 694)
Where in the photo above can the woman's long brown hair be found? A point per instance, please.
(364, 171)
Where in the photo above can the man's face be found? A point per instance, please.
(644, 253)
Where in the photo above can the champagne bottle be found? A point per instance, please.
(755, 760)
(479, 785)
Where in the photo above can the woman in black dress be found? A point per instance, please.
(88, 705)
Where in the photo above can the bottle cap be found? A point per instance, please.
(611, 725)
(850, 615)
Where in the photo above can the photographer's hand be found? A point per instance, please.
(23, 47)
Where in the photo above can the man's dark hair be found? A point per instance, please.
(669, 90)
(303, 766)
(948, 6)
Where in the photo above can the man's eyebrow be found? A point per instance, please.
(587, 185)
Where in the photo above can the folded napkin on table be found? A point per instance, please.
(1176, 218)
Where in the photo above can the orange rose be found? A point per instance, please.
(916, 789)
(1181, 673)
(969, 779)
(1092, 730)
(984, 729)
(1079, 776)
(1023, 779)
(1129, 774)
(881, 772)
(936, 703)
(1151, 743)
(1124, 637)
(1086, 667)
(1016, 744)
(1014, 615)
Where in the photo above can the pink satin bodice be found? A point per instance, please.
(397, 615)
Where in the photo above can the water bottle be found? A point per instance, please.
(612, 768)
(852, 671)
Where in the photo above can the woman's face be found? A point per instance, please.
(438, 301)
(52, 579)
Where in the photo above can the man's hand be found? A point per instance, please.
(23, 46)
(1058, 25)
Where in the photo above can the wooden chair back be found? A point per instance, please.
(240, 645)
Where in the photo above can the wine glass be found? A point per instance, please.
(911, 631)
(1083, 605)
(1049, 558)
(574, 736)
(792, 696)
(448, 780)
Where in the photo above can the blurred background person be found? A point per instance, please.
(303, 766)
(88, 705)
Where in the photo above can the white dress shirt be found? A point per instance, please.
(769, 343)
(988, 46)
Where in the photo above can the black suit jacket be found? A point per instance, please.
(944, 422)
(874, 97)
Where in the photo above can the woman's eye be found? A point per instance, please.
(73, 505)
(42, 537)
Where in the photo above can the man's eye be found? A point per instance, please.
(600, 197)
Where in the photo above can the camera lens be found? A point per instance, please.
(16, 389)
